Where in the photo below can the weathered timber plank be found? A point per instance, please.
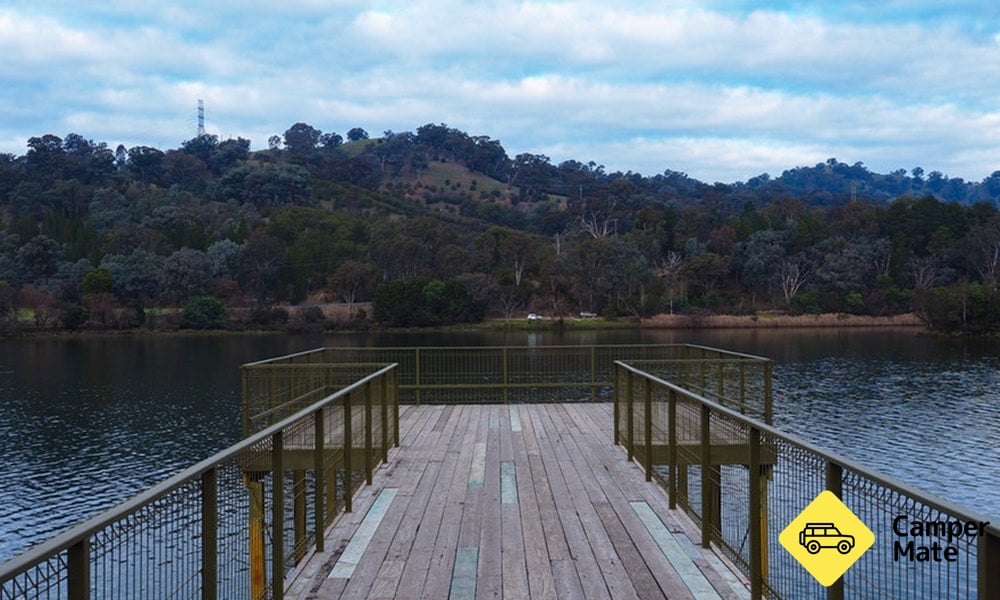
(541, 583)
(489, 577)
(603, 464)
(574, 526)
(576, 471)
(444, 552)
(417, 564)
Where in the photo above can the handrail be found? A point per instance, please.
(502, 374)
(81, 533)
(750, 439)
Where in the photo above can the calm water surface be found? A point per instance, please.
(89, 422)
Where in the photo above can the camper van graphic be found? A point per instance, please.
(816, 536)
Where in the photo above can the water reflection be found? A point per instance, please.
(89, 422)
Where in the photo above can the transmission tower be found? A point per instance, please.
(201, 118)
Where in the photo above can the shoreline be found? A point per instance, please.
(766, 321)
(661, 321)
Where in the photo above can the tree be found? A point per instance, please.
(186, 273)
(301, 139)
(793, 273)
(983, 242)
(98, 281)
(357, 134)
(352, 279)
(204, 312)
(202, 146)
(260, 261)
(146, 163)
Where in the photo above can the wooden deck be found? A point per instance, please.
(520, 501)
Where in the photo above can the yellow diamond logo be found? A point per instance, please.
(826, 538)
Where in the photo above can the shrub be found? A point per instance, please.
(204, 312)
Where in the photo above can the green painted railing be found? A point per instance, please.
(743, 481)
(232, 525)
(502, 374)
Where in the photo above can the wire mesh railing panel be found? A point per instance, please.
(240, 520)
(232, 560)
(46, 579)
(905, 527)
(743, 483)
(155, 552)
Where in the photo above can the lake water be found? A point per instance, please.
(88, 422)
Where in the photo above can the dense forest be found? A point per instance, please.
(438, 226)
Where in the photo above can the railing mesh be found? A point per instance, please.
(240, 521)
(710, 478)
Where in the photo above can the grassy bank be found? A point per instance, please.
(765, 320)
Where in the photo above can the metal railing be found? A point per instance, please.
(234, 524)
(502, 374)
(743, 481)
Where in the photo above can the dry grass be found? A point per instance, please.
(664, 321)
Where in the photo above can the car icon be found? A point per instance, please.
(816, 536)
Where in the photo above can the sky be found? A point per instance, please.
(722, 91)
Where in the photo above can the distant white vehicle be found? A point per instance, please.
(534, 317)
(588, 315)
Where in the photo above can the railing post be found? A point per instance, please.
(743, 386)
(707, 518)
(245, 388)
(278, 516)
(395, 406)
(755, 524)
(78, 571)
(593, 373)
(616, 400)
(384, 406)
(348, 458)
(630, 426)
(368, 433)
(720, 385)
(648, 432)
(505, 376)
(416, 361)
(988, 565)
(768, 414)
(299, 514)
(209, 534)
(672, 446)
(320, 476)
(835, 484)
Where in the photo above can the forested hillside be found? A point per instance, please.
(438, 226)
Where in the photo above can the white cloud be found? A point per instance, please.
(720, 90)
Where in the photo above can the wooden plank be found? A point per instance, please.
(588, 570)
(693, 578)
(541, 582)
(442, 561)
(489, 582)
(349, 560)
(463, 578)
(513, 570)
(602, 461)
(508, 483)
(394, 547)
(608, 561)
(645, 584)
(515, 418)
(384, 587)
(414, 427)
(429, 522)
(478, 470)
(551, 518)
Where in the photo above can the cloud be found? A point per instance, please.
(722, 90)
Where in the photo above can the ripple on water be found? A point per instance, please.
(935, 429)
